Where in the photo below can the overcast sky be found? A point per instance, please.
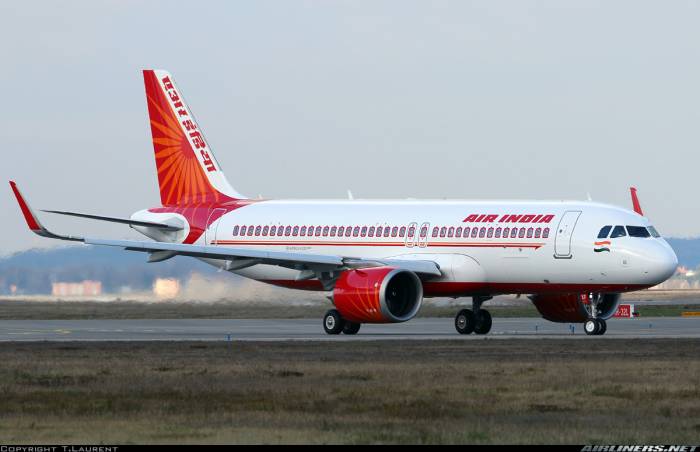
(299, 99)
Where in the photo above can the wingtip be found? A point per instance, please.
(29, 216)
(635, 201)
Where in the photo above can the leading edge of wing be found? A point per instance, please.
(267, 257)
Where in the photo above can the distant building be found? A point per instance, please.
(166, 288)
(85, 288)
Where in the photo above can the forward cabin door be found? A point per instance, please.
(210, 232)
(562, 241)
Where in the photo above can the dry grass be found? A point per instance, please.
(74, 310)
(538, 391)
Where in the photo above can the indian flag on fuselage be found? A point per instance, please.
(602, 246)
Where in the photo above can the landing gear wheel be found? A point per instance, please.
(592, 327)
(465, 321)
(351, 327)
(333, 323)
(602, 327)
(482, 324)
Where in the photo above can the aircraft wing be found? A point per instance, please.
(234, 258)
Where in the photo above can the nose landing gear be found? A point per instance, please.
(594, 326)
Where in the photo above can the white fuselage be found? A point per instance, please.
(552, 250)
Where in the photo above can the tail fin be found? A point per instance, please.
(188, 172)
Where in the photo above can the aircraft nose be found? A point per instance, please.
(661, 263)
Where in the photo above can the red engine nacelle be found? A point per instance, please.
(574, 307)
(378, 295)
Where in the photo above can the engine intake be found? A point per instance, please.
(378, 295)
(574, 307)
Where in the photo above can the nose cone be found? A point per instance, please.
(661, 262)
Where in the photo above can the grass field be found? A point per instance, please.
(57, 310)
(539, 391)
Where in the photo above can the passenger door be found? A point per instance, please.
(210, 232)
(562, 240)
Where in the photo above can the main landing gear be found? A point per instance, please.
(475, 320)
(334, 323)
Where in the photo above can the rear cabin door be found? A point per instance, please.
(562, 241)
(210, 232)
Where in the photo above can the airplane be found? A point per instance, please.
(378, 259)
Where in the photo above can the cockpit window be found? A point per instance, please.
(603, 234)
(619, 231)
(654, 232)
(638, 231)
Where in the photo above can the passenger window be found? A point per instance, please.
(266, 229)
(356, 231)
(273, 229)
(619, 231)
(436, 230)
(341, 231)
(451, 232)
(325, 231)
(521, 233)
(250, 231)
(287, 230)
(394, 231)
(348, 231)
(379, 231)
(638, 231)
(363, 232)
(258, 229)
(424, 231)
(603, 234)
(402, 231)
(302, 231)
(295, 231)
(538, 231)
(513, 233)
(482, 232)
(475, 232)
(280, 231)
(458, 232)
(387, 231)
(545, 233)
(489, 233)
(370, 232)
(443, 231)
(243, 229)
(498, 233)
(318, 231)
(235, 230)
(334, 229)
(529, 233)
(465, 234)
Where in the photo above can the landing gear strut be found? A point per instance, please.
(475, 320)
(594, 326)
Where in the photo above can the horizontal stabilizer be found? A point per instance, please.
(148, 224)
